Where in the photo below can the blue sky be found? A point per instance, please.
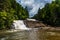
(33, 5)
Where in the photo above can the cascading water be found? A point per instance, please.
(19, 24)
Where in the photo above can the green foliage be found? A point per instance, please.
(50, 14)
(10, 10)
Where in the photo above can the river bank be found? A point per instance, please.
(51, 28)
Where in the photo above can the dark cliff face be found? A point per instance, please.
(34, 24)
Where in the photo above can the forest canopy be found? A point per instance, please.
(11, 10)
(50, 14)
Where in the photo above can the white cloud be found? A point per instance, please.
(34, 4)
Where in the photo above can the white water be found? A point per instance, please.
(19, 24)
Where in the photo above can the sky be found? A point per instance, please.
(33, 5)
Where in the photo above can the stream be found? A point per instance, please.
(34, 34)
(26, 33)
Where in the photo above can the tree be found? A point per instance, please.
(50, 14)
(10, 10)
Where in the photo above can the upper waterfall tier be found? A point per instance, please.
(19, 24)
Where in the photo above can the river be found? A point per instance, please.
(34, 34)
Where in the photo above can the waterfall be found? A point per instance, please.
(19, 24)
